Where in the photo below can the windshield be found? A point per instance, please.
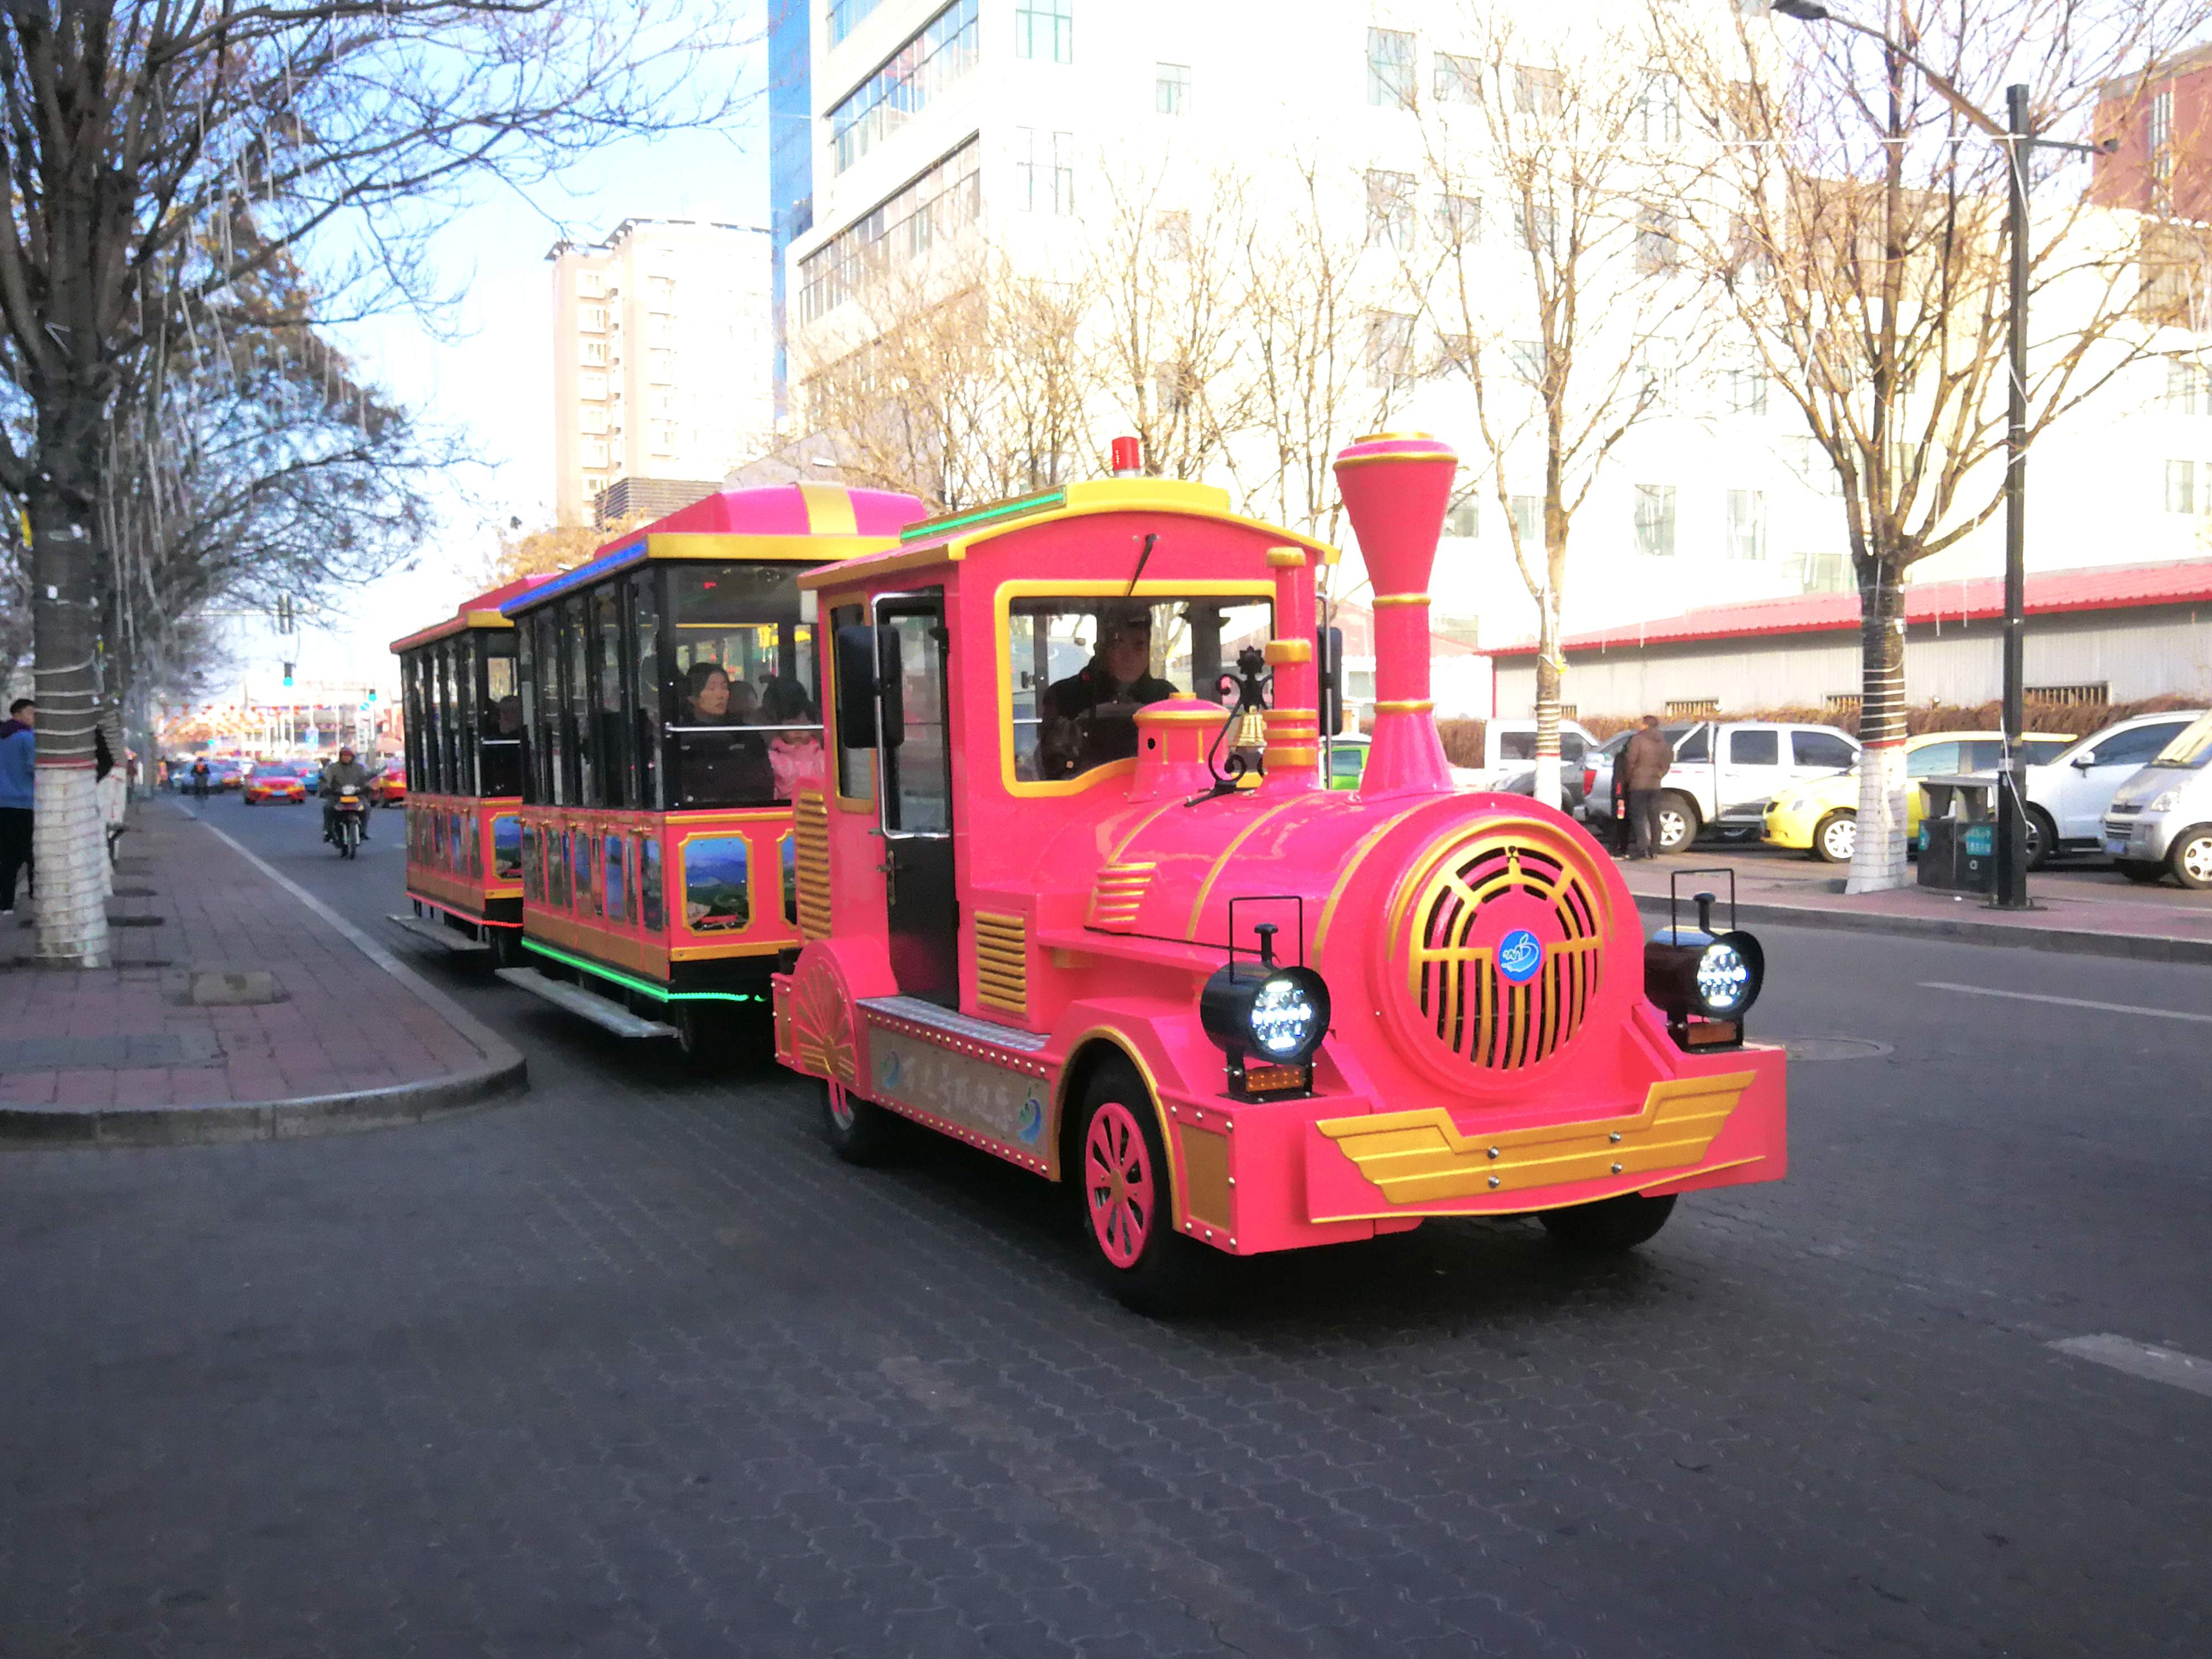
(2191, 748)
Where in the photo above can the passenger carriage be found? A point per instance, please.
(463, 751)
(669, 712)
(1058, 907)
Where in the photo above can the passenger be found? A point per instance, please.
(720, 768)
(1087, 719)
(795, 757)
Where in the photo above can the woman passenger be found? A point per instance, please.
(720, 768)
(795, 757)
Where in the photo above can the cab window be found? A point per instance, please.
(1756, 748)
(1080, 669)
(747, 730)
(1822, 749)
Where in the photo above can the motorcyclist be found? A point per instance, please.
(343, 773)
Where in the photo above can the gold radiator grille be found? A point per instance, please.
(810, 823)
(1002, 963)
(1453, 919)
(1118, 891)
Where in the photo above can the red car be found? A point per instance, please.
(390, 786)
(274, 781)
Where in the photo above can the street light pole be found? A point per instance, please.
(2012, 820)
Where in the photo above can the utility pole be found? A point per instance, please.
(2012, 819)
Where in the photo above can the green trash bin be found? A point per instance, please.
(1959, 834)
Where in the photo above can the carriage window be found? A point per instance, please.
(645, 701)
(506, 847)
(747, 732)
(411, 692)
(576, 689)
(552, 750)
(716, 897)
(789, 849)
(648, 884)
(466, 779)
(500, 742)
(606, 649)
(525, 683)
(1082, 668)
(615, 887)
(856, 778)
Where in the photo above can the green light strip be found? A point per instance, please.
(1004, 510)
(586, 965)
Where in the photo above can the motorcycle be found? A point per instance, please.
(346, 822)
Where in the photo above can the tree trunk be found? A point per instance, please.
(1550, 660)
(67, 841)
(1878, 861)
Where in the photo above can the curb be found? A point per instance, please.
(2060, 941)
(503, 1074)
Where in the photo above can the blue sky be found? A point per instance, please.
(493, 384)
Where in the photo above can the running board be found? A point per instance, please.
(603, 1011)
(437, 933)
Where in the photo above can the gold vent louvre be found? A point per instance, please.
(810, 823)
(1002, 963)
(1118, 891)
(1451, 932)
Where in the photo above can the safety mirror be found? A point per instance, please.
(856, 687)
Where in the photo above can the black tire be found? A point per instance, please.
(2190, 858)
(2144, 870)
(1608, 1226)
(859, 1131)
(1829, 836)
(2042, 837)
(1165, 1273)
(1678, 824)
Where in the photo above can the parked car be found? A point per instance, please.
(2161, 819)
(311, 775)
(1348, 761)
(1724, 774)
(1822, 817)
(273, 780)
(1509, 749)
(1523, 782)
(2068, 797)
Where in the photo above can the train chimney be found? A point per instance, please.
(1396, 487)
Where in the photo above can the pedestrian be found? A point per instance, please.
(1644, 764)
(19, 756)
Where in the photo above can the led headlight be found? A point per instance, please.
(1275, 1015)
(1726, 982)
(2165, 803)
(1695, 974)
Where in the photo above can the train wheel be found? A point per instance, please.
(704, 1032)
(1610, 1225)
(1128, 1209)
(859, 1131)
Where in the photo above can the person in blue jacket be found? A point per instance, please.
(19, 753)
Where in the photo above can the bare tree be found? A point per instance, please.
(1856, 226)
(159, 153)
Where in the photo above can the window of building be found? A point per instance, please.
(660, 331)
(1656, 249)
(1459, 220)
(1536, 227)
(661, 400)
(592, 319)
(941, 200)
(1389, 354)
(1655, 369)
(1462, 518)
(1171, 89)
(935, 56)
(591, 386)
(1044, 170)
(1171, 234)
(593, 452)
(1457, 80)
(1045, 29)
(593, 353)
(660, 293)
(1810, 459)
(1527, 360)
(1390, 69)
(1747, 523)
(2158, 133)
(1658, 108)
(1390, 209)
(662, 366)
(1698, 746)
(591, 420)
(1456, 352)
(1743, 383)
(1655, 521)
(590, 284)
(2181, 486)
(846, 15)
(1536, 91)
(2188, 386)
(663, 438)
(1528, 520)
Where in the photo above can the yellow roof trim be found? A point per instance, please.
(810, 550)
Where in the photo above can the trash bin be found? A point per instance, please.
(1959, 834)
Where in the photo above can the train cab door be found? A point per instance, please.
(914, 743)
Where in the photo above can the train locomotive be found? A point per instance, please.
(1058, 907)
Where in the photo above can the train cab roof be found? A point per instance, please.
(482, 611)
(810, 523)
(948, 539)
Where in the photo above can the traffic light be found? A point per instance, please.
(284, 618)
(288, 673)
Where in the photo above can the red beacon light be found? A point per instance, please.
(1128, 459)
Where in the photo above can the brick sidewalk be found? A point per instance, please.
(188, 909)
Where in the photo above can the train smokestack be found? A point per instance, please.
(1396, 487)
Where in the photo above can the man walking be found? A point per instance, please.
(19, 755)
(1644, 764)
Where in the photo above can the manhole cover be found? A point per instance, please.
(1833, 1047)
(231, 989)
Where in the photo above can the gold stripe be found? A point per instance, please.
(1178, 717)
(1282, 754)
(1286, 558)
(1409, 706)
(1343, 461)
(1382, 599)
(1393, 437)
(1282, 651)
(830, 509)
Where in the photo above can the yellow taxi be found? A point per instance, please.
(1821, 818)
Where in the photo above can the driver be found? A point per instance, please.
(345, 772)
(1080, 730)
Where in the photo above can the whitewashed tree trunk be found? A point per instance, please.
(1878, 859)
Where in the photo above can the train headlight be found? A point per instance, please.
(1727, 983)
(1705, 982)
(1276, 1015)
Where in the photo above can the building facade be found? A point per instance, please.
(663, 356)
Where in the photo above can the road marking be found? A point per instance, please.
(2141, 1359)
(2066, 1002)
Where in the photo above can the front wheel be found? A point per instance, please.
(859, 1131)
(1128, 1209)
(1678, 823)
(1610, 1225)
(2192, 857)
(2042, 837)
(1837, 837)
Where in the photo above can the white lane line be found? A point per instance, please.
(2141, 1359)
(2066, 1002)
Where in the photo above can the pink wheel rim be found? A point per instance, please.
(841, 1106)
(1117, 1174)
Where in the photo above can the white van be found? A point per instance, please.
(2160, 822)
(2067, 798)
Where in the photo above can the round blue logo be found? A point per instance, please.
(1520, 954)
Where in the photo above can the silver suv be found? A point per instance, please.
(2161, 819)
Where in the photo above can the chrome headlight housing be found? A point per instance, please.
(2166, 802)
(1276, 1014)
(1703, 983)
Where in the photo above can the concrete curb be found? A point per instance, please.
(503, 1074)
(1964, 930)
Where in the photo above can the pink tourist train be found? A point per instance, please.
(1056, 906)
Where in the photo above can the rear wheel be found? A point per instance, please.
(2192, 857)
(1836, 837)
(1677, 822)
(1127, 1204)
(859, 1131)
(2042, 837)
(1610, 1225)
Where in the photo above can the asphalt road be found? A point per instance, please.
(634, 1366)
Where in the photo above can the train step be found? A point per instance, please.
(603, 1011)
(436, 932)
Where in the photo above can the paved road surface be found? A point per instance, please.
(634, 1367)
